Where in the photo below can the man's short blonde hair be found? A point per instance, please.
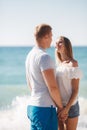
(42, 30)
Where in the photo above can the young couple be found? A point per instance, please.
(53, 103)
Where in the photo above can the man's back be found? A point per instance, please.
(35, 63)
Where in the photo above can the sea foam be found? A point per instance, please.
(14, 117)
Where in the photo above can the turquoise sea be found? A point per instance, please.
(14, 93)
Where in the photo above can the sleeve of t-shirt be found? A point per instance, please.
(46, 62)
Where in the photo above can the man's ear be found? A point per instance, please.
(46, 36)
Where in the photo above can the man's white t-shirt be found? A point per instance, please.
(37, 61)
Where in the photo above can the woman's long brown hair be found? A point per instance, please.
(68, 48)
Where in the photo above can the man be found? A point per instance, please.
(41, 79)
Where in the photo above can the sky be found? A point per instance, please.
(18, 19)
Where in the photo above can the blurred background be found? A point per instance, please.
(17, 22)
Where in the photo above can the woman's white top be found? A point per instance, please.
(64, 74)
(37, 61)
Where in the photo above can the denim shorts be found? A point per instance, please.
(74, 111)
(42, 118)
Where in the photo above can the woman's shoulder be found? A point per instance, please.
(74, 63)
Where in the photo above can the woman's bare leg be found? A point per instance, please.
(61, 126)
(72, 123)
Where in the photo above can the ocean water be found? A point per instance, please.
(14, 93)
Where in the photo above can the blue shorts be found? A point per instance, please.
(42, 118)
(74, 111)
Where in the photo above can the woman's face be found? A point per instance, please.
(60, 45)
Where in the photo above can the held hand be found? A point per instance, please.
(63, 114)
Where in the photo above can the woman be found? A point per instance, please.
(68, 75)
(41, 79)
